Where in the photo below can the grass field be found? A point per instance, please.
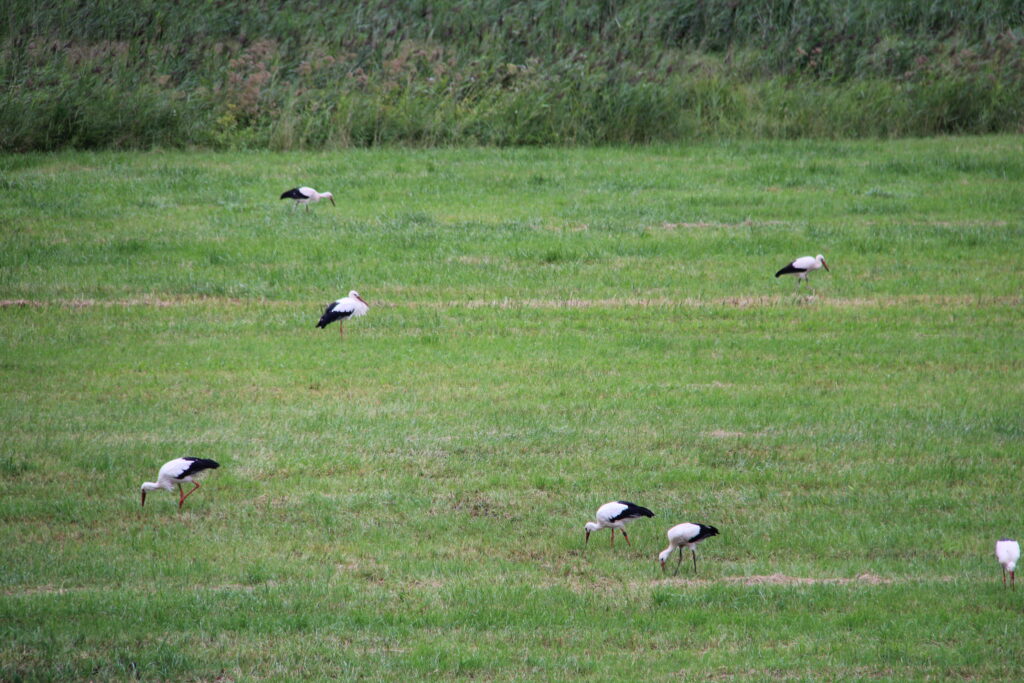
(550, 330)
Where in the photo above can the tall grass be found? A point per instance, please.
(127, 74)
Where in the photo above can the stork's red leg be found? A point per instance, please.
(613, 538)
(181, 495)
(1004, 577)
(626, 537)
(341, 329)
(189, 493)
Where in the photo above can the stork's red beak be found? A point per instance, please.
(361, 299)
(586, 540)
(332, 201)
(663, 566)
(825, 264)
(143, 499)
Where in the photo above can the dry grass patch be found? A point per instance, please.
(741, 302)
(786, 580)
(723, 434)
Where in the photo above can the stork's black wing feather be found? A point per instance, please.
(329, 317)
(198, 465)
(790, 269)
(293, 194)
(632, 511)
(332, 314)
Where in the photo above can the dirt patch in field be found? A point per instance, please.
(786, 580)
(581, 582)
(23, 303)
(924, 300)
(243, 587)
(472, 260)
(545, 303)
(40, 590)
(693, 225)
(765, 301)
(715, 224)
(49, 589)
(152, 301)
(144, 301)
(782, 675)
(867, 579)
(722, 434)
(728, 434)
(5, 303)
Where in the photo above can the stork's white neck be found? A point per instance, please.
(154, 485)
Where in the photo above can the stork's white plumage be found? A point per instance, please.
(614, 516)
(1008, 552)
(307, 196)
(802, 266)
(685, 535)
(177, 471)
(351, 306)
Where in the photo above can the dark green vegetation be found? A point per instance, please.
(129, 73)
(550, 330)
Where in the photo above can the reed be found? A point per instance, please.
(126, 74)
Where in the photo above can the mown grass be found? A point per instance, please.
(551, 329)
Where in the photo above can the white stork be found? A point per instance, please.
(614, 516)
(351, 306)
(802, 266)
(1008, 552)
(177, 471)
(307, 196)
(685, 535)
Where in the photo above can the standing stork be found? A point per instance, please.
(614, 516)
(685, 535)
(802, 266)
(351, 306)
(307, 196)
(1008, 552)
(177, 471)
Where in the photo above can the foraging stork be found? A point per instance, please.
(802, 266)
(1008, 552)
(685, 535)
(614, 516)
(307, 196)
(177, 471)
(351, 306)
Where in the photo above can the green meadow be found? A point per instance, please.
(550, 329)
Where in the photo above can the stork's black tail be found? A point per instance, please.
(293, 194)
(198, 465)
(705, 532)
(329, 317)
(634, 510)
(787, 270)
